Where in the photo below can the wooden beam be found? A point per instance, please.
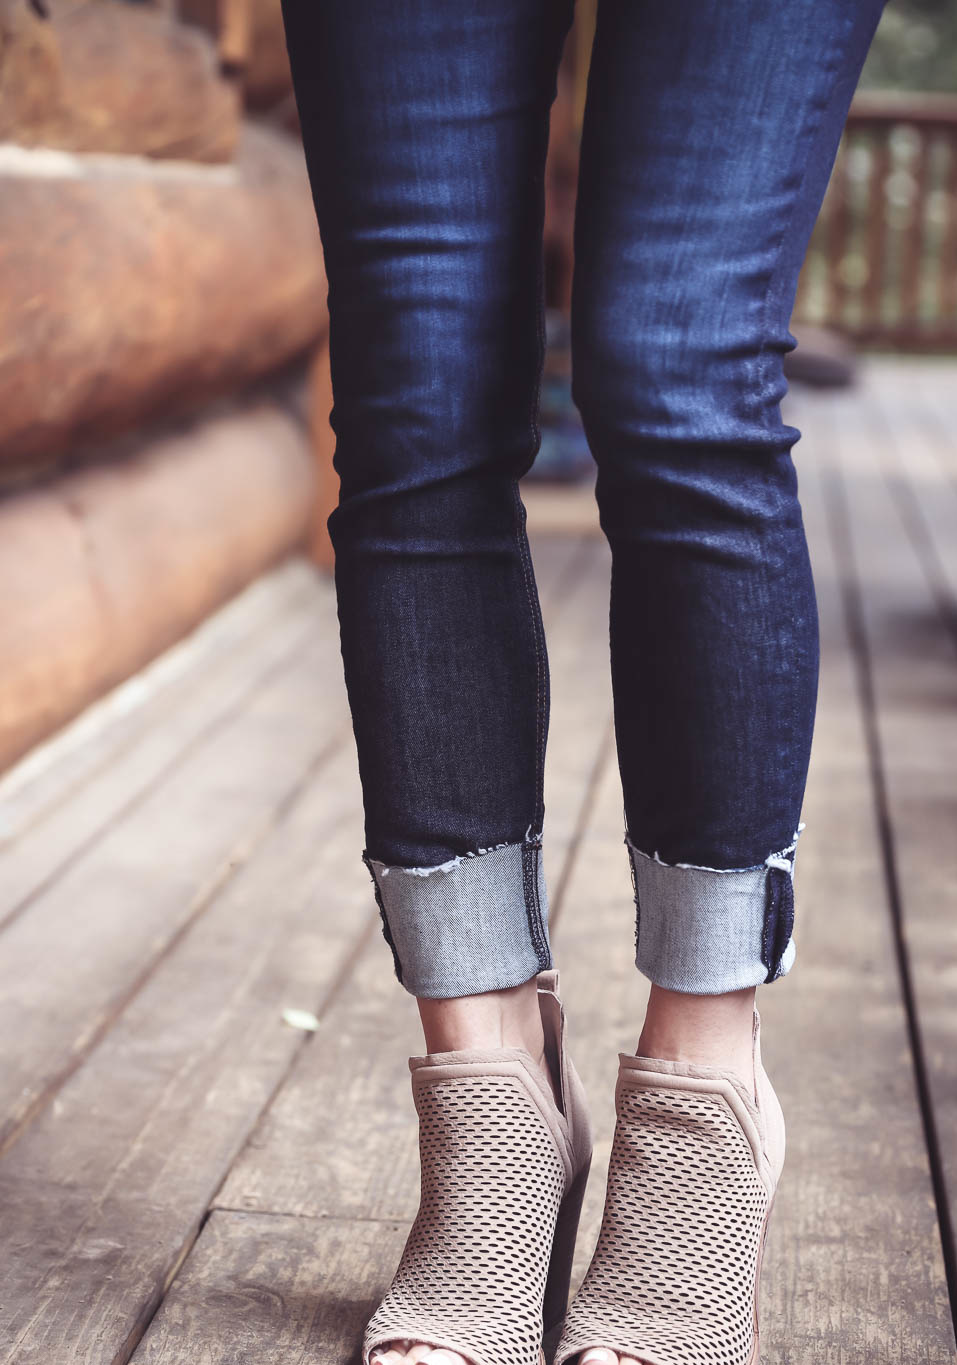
(111, 77)
(324, 445)
(103, 569)
(128, 294)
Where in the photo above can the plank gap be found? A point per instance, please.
(236, 858)
(143, 793)
(851, 595)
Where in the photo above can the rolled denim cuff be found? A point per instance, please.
(705, 931)
(478, 922)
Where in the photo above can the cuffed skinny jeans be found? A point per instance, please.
(710, 130)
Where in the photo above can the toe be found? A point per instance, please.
(414, 1353)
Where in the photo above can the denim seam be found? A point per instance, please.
(386, 931)
(634, 888)
(778, 920)
(521, 538)
(531, 853)
(763, 382)
(521, 534)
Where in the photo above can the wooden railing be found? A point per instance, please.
(882, 262)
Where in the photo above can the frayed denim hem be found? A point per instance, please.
(705, 930)
(477, 922)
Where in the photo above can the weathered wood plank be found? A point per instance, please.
(105, 778)
(853, 1271)
(97, 1215)
(374, 1028)
(901, 571)
(268, 1290)
(917, 455)
(933, 386)
(73, 959)
(108, 1185)
(229, 644)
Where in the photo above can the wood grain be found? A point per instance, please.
(130, 770)
(266, 1290)
(108, 1186)
(901, 516)
(184, 684)
(64, 974)
(106, 567)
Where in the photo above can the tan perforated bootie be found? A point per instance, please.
(486, 1266)
(694, 1167)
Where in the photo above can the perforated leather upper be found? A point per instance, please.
(672, 1278)
(474, 1267)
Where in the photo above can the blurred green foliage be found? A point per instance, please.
(915, 47)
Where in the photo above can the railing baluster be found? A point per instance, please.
(948, 246)
(876, 238)
(914, 236)
(838, 238)
(877, 114)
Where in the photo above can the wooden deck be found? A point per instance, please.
(186, 1177)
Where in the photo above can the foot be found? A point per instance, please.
(496, 1019)
(709, 1030)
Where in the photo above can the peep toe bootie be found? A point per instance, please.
(694, 1166)
(486, 1267)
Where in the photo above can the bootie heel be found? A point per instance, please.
(563, 1251)
(486, 1267)
(694, 1168)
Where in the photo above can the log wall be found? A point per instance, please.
(113, 77)
(130, 293)
(102, 569)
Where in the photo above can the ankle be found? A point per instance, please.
(707, 1030)
(494, 1019)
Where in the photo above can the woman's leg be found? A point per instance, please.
(710, 131)
(425, 128)
(709, 135)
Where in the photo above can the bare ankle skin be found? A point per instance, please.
(712, 1030)
(509, 1018)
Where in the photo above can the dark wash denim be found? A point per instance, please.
(709, 134)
